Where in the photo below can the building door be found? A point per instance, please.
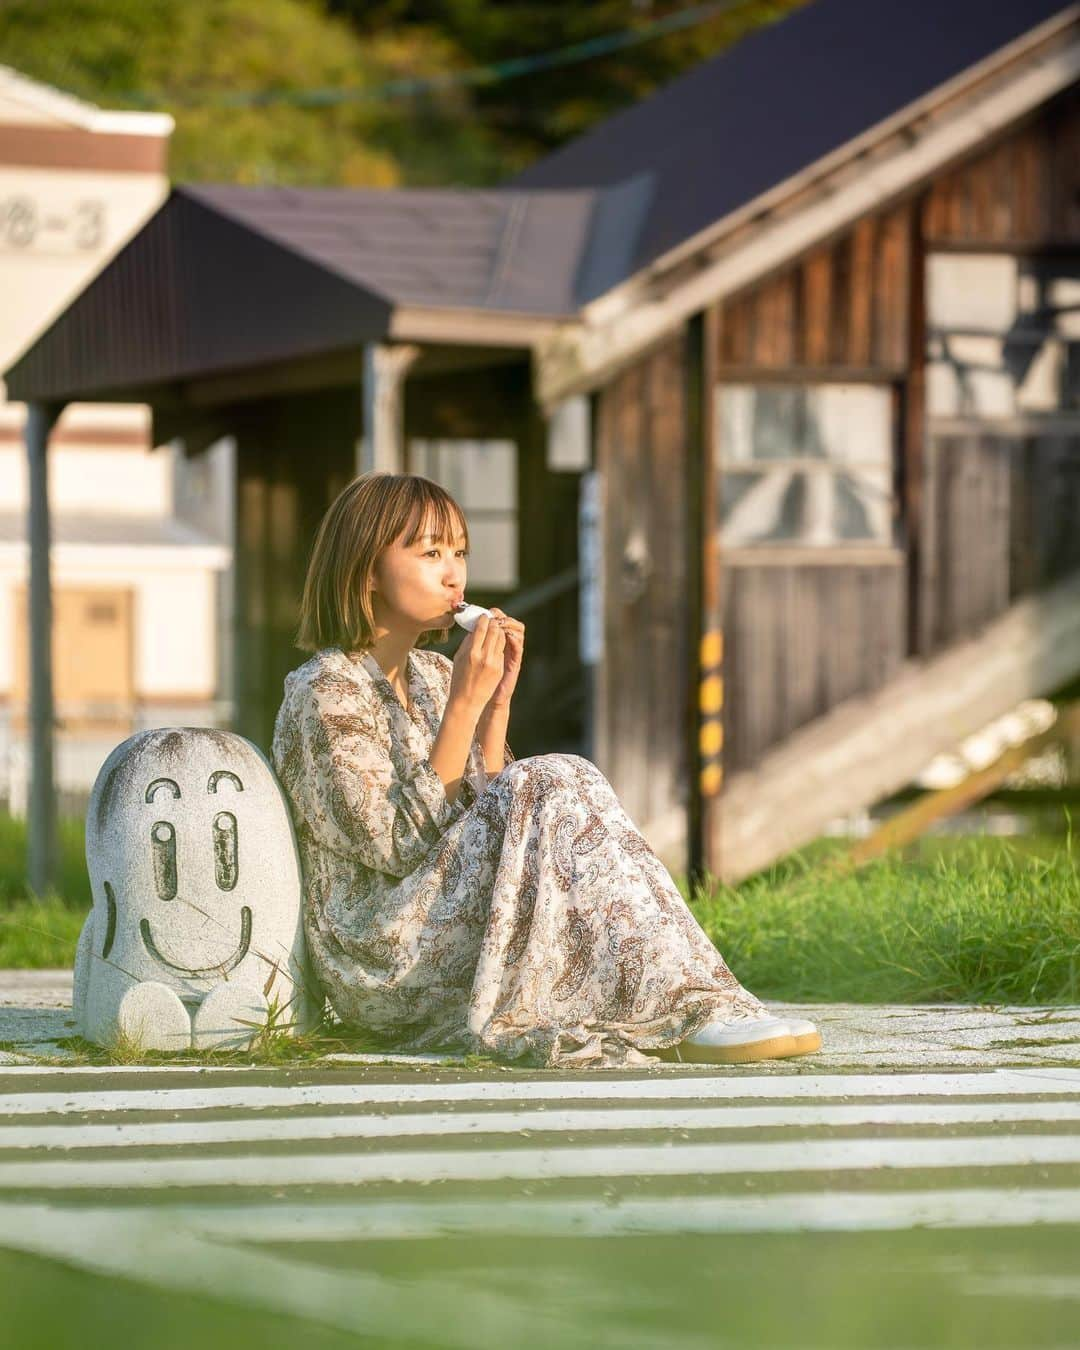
(92, 655)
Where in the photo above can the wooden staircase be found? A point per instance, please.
(870, 747)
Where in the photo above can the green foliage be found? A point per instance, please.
(191, 57)
(166, 55)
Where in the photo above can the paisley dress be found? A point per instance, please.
(528, 919)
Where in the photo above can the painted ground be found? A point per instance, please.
(915, 1184)
(682, 1206)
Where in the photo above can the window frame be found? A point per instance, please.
(867, 551)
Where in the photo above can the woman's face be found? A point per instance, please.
(415, 585)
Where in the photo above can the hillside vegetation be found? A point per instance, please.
(310, 91)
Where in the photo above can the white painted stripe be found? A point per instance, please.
(698, 1087)
(259, 1129)
(822, 1211)
(712, 1159)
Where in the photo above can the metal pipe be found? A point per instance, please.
(41, 833)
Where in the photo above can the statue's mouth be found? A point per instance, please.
(222, 968)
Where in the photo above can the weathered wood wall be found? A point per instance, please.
(1044, 520)
(806, 628)
(1021, 192)
(643, 693)
(1002, 513)
(799, 639)
(984, 514)
(841, 310)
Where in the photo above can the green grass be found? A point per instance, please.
(966, 920)
(72, 882)
(974, 920)
(40, 933)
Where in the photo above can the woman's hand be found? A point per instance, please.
(479, 665)
(513, 653)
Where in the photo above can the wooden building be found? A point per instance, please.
(815, 375)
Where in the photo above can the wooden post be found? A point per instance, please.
(382, 448)
(919, 530)
(706, 710)
(41, 841)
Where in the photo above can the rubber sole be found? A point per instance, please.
(806, 1045)
(776, 1047)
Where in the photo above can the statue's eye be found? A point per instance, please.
(163, 850)
(225, 860)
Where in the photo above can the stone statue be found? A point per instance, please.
(197, 924)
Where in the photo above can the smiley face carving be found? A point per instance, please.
(197, 913)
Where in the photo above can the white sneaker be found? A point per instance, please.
(807, 1036)
(739, 1042)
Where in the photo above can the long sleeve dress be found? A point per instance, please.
(528, 919)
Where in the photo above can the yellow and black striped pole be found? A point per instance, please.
(711, 713)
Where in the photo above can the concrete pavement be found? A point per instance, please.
(35, 1014)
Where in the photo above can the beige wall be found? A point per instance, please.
(75, 184)
(99, 461)
(63, 216)
(174, 646)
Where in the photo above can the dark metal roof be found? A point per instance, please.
(450, 248)
(225, 277)
(778, 101)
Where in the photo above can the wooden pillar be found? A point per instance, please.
(382, 448)
(41, 844)
(917, 489)
(706, 709)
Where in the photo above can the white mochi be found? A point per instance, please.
(466, 618)
(197, 897)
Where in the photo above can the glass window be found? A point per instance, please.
(482, 477)
(804, 464)
(1003, 335)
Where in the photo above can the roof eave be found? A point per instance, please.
(836, 190)
(488, 327)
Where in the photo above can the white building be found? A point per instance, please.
(141, 537)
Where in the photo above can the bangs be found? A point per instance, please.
(437, 515)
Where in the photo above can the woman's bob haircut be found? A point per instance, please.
(364, 519)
